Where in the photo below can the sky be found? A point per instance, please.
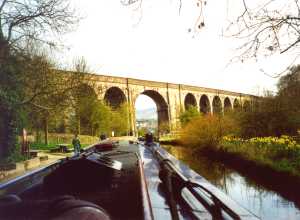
(154, 43)
(144, 102)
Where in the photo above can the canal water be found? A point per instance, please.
(266, 204)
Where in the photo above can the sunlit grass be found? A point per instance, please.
(55, 139)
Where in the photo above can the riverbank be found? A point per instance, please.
(170, 139)
(174, 142)
(268, 158)
(281, 154)
(17, 169)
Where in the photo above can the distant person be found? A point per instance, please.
(149, 138)
(102, 137)
(76, 145)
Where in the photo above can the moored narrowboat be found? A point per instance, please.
(117, 180)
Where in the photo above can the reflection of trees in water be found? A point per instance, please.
(282, 196)
(214, 172)
(262, 198)
(254, 190)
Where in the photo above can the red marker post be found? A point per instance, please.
(25, 145)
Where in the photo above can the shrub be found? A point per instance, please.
(207, 131)
(142, 131)
(15, 156)
(163, 128)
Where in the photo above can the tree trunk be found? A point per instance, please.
(8, 132)
(78, 126)
(2, 134)
(38, 135)
(4, 50)
(46, 130)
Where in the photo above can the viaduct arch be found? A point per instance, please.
(205, 104)
(227, 105)
(170, 98)
(114, 96)
(189, 101)
(162, 107)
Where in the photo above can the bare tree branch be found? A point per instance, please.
(2, 5)
(290, 46)
(36, 20)
(267, 28)
(199, 23)
(282, 72)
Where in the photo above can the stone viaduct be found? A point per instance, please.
(170, 98)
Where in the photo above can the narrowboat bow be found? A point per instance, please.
(117, 180)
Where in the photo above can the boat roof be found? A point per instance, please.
(158, 200)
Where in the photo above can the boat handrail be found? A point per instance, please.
(213, 204)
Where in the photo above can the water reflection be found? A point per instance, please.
(264, 203)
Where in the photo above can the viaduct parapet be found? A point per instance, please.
(170, 98)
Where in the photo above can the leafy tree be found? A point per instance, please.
(97, 117)
(288, 95)
(52, 92)
(101, 119)
(278, 114)
(289, 88)
(82, 96)
(188, 115)
(120, 120)
(23, 24)
(84, 102)
(266, 122)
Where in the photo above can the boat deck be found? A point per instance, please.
(118, 192)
